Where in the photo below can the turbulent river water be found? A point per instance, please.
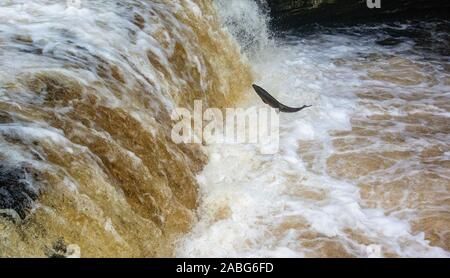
(86, 92)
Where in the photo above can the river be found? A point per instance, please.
(88, 165)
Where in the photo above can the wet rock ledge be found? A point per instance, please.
(18, 190)
(293, 13)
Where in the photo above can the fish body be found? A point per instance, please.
(272, 102)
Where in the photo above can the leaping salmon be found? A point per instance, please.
(272, 102)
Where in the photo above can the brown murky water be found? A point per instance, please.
(363, 173)
(85, 99)
(398, 155)
(87, 163)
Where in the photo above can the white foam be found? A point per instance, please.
(251, 192)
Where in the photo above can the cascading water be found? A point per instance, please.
(364, 173)
(87, 163)
(248, 22)
(86, 92)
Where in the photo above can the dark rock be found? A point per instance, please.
(293, 13)
(60, 246)
(58, 249)
(18, 191)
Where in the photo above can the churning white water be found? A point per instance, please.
(320, 195)
(87, 163)
(86, 93)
